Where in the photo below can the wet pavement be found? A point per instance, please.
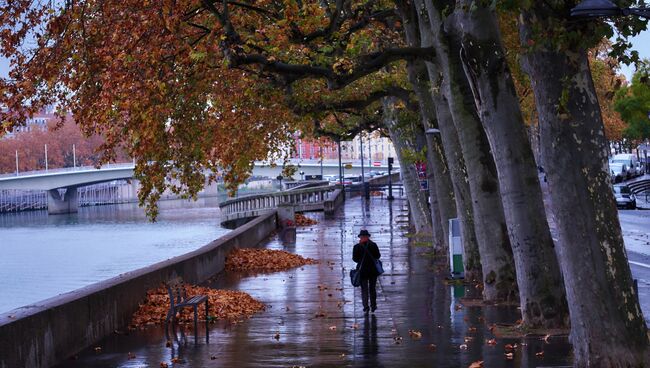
(319, 318)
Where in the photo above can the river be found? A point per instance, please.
(44, 255)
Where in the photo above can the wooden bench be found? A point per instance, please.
(179, 300)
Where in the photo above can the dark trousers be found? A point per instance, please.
(369, 286)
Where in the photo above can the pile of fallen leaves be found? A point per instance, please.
(302, 220)
(264, 260)
(223, 304)
(376, 193)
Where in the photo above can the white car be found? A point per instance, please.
(618, 171)
(630, 161)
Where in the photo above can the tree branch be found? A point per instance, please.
(368, 64)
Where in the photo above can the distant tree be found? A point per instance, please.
(633, 103)
(607, 81)
(59, 139)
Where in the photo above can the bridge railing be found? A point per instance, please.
(66, 169)
(304, 199)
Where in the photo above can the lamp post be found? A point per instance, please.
(338, 141)
(321, 160)
(604, 9)
(366, 186)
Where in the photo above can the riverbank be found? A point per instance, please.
(44, 333)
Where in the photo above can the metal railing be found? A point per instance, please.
(67, 169)
(308, 198)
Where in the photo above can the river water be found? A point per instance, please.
(44, 255)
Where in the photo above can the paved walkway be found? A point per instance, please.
(319, 317)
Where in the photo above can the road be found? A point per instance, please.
(636, 231)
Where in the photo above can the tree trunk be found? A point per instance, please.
(441, 197)
(447, 141)
(608, 329)
(442, 189)
(541, 289)
(450, 94)
(403, 139)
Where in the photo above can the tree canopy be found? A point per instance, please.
(633, 103)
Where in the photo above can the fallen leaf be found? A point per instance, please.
(264, 260)
(492, 342)
(164, 365)
(302, 220)
(229, 305)
(415, 334)
(539, 354)
(510, 356)
(477, 364)
(332, 328)
(463, 346)
(98, 349)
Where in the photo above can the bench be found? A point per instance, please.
(179, 300)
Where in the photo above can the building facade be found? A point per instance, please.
(375, 147)
(39, 121)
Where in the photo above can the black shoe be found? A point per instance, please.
(374, 309)
(365, 310)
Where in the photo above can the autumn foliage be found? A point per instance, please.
(30, 146)
(223, 305)
(264, 260)
(302, 220)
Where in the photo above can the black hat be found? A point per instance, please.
(364, 232)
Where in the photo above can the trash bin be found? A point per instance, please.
(455, 249)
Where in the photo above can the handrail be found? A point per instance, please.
(62, 170)
(327, 188)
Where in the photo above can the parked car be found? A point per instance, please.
(624, 197)
(618, 172)
(630, 161)
(352, 179)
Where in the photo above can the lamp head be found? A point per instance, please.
(596, 9)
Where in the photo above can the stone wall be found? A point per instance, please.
(47, 332)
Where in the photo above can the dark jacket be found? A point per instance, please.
(368, 267)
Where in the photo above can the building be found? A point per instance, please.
(376, 147)
(39, 121)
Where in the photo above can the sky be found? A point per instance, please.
(641, 43)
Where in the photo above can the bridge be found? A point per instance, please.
(61, 184)
(67, 179)
(303, 198)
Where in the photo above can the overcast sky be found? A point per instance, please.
(640, 43)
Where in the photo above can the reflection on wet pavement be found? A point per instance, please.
(314, 317)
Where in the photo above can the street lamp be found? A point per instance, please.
(605, 9)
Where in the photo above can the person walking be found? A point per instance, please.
(364, 254)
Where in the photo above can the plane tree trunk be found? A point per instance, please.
(607, 326)
(541, 289)
(498, 269)
(402, 136)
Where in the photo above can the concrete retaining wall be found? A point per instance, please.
(335, 200)
(50, 331)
